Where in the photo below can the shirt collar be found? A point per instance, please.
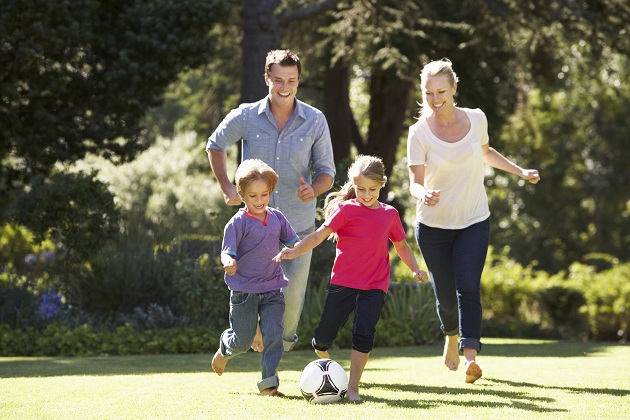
(264, 108)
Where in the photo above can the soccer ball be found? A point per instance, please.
(323, 381)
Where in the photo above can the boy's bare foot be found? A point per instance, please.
(322, 354)
(353, 396)
(271, 392)
(257, 344)
(451, 352)
(219, 362)
(473, 372)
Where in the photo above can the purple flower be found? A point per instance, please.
(50, 304)
(30, 259)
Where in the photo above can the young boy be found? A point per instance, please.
(251, 240)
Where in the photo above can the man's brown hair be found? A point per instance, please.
(283, 58)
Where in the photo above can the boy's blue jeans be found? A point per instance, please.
(245, 309)
(455, 259)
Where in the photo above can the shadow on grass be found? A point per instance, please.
(23, 367)
(429, 404)
(250, 362)
(517, 399)
(545, 349)
(609, 391)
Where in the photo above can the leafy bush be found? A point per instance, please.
(19, 253)
(582, 303)
(75, 209)
(607, 295)
(168, 191)
(202, 295)
(562, 306)
(86, 340)
(18, 305)
(154, 317)
(412, 305)
(508, 298)
(145, 299)
(408, 317)
(126, 275)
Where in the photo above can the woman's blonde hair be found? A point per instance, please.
(251, 170)
(442, 67)
(371, 167)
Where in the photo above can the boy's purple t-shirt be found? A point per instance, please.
(253, 244)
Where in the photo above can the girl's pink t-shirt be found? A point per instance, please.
(362, 256)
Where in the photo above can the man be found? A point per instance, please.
(293, 138)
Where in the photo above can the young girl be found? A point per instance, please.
(250, 243)
(359, 282)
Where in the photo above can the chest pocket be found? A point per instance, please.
(300, 149)
(259, 146)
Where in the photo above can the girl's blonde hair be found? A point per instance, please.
(442, 67)
(370, 167)
(251, 170)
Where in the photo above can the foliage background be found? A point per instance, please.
(111, 218)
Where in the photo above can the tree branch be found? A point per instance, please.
(292, 15)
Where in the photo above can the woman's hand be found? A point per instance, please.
(530, 175)
(431, 198)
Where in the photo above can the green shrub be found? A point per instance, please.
(167, 191)
(59, 340)
(412, 305)
(607, 295)
(582, 303)
(18, 247)
(562, 305)
(408, 317)
(125, 275)
(75, 209)
(201, 293)
(18, 304)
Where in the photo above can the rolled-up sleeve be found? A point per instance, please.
(228, 132)
(323, 161)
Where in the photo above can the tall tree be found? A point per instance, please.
(78, 77)
(502, 50)
(391, 41)
(264, 25)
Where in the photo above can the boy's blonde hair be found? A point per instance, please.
(251, 170)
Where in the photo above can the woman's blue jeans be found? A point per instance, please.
(455, 259)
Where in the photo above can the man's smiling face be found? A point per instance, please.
(283, 82)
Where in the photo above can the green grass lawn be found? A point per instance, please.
(522, 379)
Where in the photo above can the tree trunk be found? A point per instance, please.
(389, 97)
(261, 34)
(343, 127)
(263, 30)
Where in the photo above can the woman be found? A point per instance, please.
(447, 148)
